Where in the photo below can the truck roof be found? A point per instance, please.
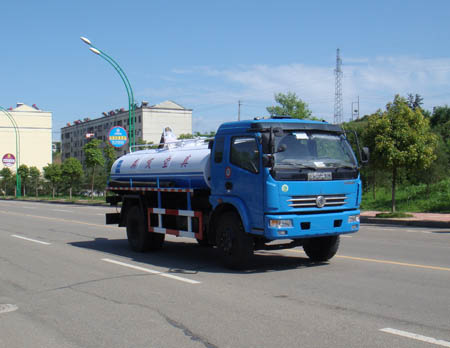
(261, 125)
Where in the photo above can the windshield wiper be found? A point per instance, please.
(345, 167)
(302, 166)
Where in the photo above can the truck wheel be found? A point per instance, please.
(138, 237)
(203, 242)
(235, 246)
(322, 248)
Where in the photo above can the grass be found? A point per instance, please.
(413, 198)
(393, 215)
(60, 199)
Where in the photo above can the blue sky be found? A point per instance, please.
(207, 55)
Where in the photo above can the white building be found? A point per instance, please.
(35, 132)
(149, 124)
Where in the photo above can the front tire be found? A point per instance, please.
(322, 248)
(235, 246)
(139, 238)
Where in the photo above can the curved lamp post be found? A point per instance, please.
(16, 130)
(126, 82)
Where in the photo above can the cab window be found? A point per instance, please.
(218, 149)
(245, 154)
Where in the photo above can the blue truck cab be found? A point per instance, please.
(285, 179)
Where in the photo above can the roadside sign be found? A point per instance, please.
(118, 136)
(9, 160)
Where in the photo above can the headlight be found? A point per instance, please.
(280, 223)
(353, 218)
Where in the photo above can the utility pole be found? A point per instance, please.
(355, 110)
(358, 108)
(239, 110)
(338, 107)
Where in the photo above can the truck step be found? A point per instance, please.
(112, 218)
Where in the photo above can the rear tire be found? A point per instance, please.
(203, 243)
(138, 236)
(235, 246)
(322, 248)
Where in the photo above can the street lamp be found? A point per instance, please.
(16, 130)
(126, 82)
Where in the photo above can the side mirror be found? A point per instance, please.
(278, 131)
(267, 161)
(210, 144)
(365, 155)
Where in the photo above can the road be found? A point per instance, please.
(68, 280)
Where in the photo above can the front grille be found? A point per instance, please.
(295, 174)
(310, 201)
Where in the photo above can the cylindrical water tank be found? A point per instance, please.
(183, 165)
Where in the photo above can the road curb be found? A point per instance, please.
(417, 223)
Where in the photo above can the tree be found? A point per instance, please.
(7, 176)
(144, 145)
(93, 158)
(72, 171)
(290, 105)
(440, 121)
(440, 116)
(185, 136)
(53, 173)
(35, 174)
(110, 156)
(24, 173)
(401, 139)
(415, 101)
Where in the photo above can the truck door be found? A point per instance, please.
(243, 176)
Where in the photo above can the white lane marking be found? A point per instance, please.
(5, 308)
(345, 236)
(147, 270)
(416, 337)
(64, 211)
(24, 205)
(418, 231)
(29, 239)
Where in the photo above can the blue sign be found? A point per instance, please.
(118, 136)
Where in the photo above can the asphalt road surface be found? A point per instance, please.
(68, 280)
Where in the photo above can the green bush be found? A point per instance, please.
(412, 198)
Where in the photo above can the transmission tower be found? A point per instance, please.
(338, 104)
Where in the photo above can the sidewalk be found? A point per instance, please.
(418, 219)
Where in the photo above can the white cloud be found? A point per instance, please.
(213, 93)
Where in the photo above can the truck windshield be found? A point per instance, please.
(314, 150)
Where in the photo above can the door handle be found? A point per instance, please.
(228, 186)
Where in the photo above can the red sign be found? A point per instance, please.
(8, 160)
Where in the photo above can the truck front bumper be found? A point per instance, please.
(313, 225)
